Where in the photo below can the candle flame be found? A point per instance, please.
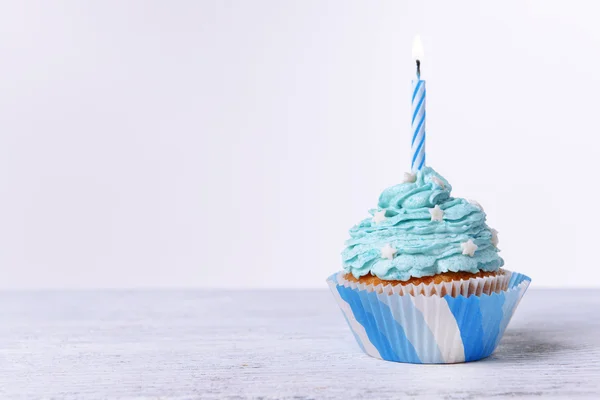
(417, 49)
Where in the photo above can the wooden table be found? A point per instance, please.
(272, 345)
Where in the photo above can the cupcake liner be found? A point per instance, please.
(418, 326)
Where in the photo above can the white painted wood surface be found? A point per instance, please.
(272, 345)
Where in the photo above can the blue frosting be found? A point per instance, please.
(424, 247)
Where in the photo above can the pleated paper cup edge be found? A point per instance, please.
(503, 281)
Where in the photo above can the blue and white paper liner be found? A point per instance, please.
(425, 329)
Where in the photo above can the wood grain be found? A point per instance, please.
(272, 345)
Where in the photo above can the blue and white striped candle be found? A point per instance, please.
(418, 112)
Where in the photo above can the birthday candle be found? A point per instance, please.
(418, 112)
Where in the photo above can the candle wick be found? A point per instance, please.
(418, 69)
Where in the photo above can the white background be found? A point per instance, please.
(233, 143)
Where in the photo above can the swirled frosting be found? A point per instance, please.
(423, 246)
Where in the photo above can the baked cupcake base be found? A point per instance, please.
(391, 323)
(439, 278)
(448, 283)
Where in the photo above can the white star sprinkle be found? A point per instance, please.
(388, 252)
(437, 214)
(468, 248)
(409, 177)
(438, 181)
(476, 204)
(495, 240)
(379, 216)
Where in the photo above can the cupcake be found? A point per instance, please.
(422, 279)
